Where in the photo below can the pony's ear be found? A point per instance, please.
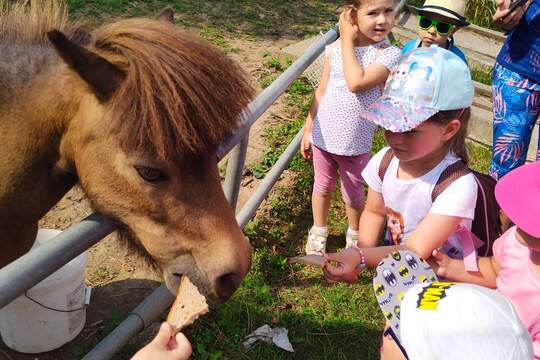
(102, 76)
(166, 14)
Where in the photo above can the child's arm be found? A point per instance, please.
(323, 82)
(372, 220)
(356, 77)
(430, 234)
(454, 269)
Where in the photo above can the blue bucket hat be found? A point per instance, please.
(425, 81)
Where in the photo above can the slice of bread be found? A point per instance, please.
(312, 260)
(188, 306)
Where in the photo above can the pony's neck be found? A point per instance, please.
(37, 106)
(21, 64)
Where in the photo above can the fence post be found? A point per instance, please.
(235, 168)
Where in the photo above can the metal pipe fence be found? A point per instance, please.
(30, 269)
(235, 167)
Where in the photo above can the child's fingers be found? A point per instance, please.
(332, 257)
(163, 336)
(304, 149)
(438, 256)
(333, 271)
(501, 4)
(183, 349)
(328, 271)
(343, 17)
(500, 14)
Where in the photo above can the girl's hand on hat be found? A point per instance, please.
(504, 18)
(305, 146)
(348, 29)
(345, 268)
(440, 264)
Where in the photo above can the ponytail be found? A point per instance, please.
(456, 144)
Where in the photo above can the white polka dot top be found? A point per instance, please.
(337, 127)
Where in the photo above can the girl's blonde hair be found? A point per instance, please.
(356, 3)
(456, 144)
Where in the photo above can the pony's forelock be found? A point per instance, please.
(181, 95)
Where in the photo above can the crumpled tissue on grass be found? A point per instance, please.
(278, 336)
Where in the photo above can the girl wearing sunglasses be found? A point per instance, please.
(438, 21)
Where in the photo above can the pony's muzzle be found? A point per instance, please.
(227, 284)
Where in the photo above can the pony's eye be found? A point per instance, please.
(150, 174)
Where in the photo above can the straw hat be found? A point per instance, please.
(453, 10)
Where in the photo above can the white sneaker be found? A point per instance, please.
(316, 241)
(351, 240)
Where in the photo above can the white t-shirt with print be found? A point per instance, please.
(409, 201)
(337, 126)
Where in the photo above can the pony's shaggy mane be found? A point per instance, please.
(181, 95)
(28, 21)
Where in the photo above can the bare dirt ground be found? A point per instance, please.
(119, 282)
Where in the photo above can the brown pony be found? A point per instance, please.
(133, 111)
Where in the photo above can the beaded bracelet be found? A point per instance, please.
(362, 265)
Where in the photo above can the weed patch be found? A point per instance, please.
(481, 73)
(251, 18)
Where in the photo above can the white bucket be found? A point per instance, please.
(28, 327)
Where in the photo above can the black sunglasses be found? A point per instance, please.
(441, 27)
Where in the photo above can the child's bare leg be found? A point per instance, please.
(320, 203)
(317, 235)
(353, 215)
(390, 350)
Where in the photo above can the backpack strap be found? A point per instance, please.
(385, 163)
(448, 176)
(469, 241)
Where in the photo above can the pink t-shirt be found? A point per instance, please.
(519, 283)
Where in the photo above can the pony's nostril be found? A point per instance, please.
(227, 284)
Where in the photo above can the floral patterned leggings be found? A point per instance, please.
(516, 107)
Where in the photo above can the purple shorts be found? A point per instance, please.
(327, 165)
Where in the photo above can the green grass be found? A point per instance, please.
(251, 18)
(481, 73)
(479, 157)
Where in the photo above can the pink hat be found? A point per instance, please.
(518, 194)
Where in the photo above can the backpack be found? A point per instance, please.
(486, 224)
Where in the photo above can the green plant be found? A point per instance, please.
(480, 12)
(481, 73)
